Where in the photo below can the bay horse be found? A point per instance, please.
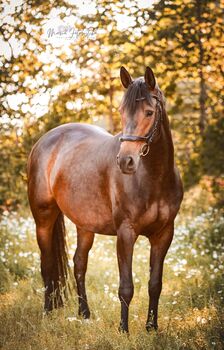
(125, 185)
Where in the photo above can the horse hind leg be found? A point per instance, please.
(51, 240)
(84, 244)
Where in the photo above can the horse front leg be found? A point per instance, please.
(84, 244)
(159, 247)
(126, 238)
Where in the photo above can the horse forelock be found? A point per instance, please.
(135, 96)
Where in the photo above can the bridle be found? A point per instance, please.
(151, 134)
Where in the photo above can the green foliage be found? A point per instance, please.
(191, 305)
(190, 39)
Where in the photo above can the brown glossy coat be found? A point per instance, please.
(74, 170)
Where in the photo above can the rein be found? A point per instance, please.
(150, 136)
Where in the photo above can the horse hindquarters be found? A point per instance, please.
(50, 229)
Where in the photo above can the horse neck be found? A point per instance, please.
(161, 155)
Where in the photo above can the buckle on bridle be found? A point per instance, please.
(144, 150)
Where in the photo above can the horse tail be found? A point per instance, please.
(60, 252)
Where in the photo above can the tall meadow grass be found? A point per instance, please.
(191, 304)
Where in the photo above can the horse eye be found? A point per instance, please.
(149, 113)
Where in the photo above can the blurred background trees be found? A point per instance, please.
(52, 75)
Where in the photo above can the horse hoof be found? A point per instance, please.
(122, 329)
(53, 303)
(45, 313)
(85, 314)
(48, 307)
(150, 326)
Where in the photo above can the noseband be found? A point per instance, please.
(148, 139)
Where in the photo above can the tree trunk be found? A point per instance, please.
(202, 101)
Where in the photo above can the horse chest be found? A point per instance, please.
(155, 216)
(146, 216)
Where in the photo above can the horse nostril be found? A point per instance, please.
(129, 162)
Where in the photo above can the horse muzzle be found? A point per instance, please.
(127, 164)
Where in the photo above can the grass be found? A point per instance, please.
(191, 304)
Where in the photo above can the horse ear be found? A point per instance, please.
(150, 78)
(125, 77)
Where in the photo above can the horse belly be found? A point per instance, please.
(86, 207)
(96, 219)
